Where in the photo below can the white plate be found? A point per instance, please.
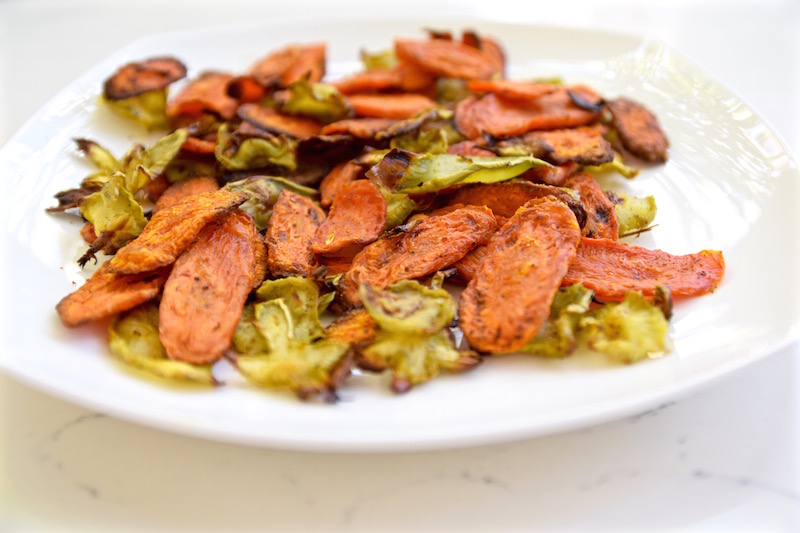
(729, 185)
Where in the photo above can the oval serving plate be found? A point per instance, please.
(730, 185)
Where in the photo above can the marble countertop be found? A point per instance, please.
(726, 458)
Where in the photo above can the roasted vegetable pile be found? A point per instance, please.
(277, 198)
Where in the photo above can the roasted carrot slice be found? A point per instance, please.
(449, 59)
(294, 221)
(339, 176)
(403, 77)
(512, 89)
(269, 119)
(397, 106)
(290, 64)
(491, 114)
(612, 268)
(639, 130)
(194, 145)
(356, 327)
(206, 290)
(87, 233)
(357, 217)
(433, 244)
(584, 145)
(506, 197)
(140, 77)
(336, 264)
(172, 230)
(601, 216)
(360, 128)
(368, 81)
(246, 89)
(469, 149)
(509, 298)
(556, 175)
(184, 188)
(107, 293)
(207, 93)
(467, 267)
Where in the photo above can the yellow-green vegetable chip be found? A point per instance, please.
(264, 192)
(408, 307)
(146, 108)
(633, 213)
(235, 153)
(410, 173)
(415, 359)
(321, 101)
(558, 335)
(301, 297)
(628, 331)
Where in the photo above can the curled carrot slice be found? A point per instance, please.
(207, 93)
(396, 106)
(601, 217)
(140, 77)
(445, 58)
(612, 268)
(491, 114)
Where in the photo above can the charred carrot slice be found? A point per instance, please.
(107, 293)
(509, 297)
(511, 89)
(505, 198)
(246, 89)
(292, 226)
(140, 77)
(206, 290)
(449, 59)
(290, 64)
(184, 188)
(601, 217)
(639, 129)
(170, 231)
(435, 243)
(339, 176)
(207, 93)
(584, 145)
(357, 217)
(396, 106)
(498, 117)
(612, 268)
(556, 175)
(269, 119)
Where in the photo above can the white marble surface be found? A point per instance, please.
(724, 459)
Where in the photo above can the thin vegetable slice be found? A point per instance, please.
(172, 230)
(423, 249)
(402, 171)
(133, 338)
(356, 218)
(506, 303)
(107, 293)
(290, 232)
(206, 290)
(612, 268)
